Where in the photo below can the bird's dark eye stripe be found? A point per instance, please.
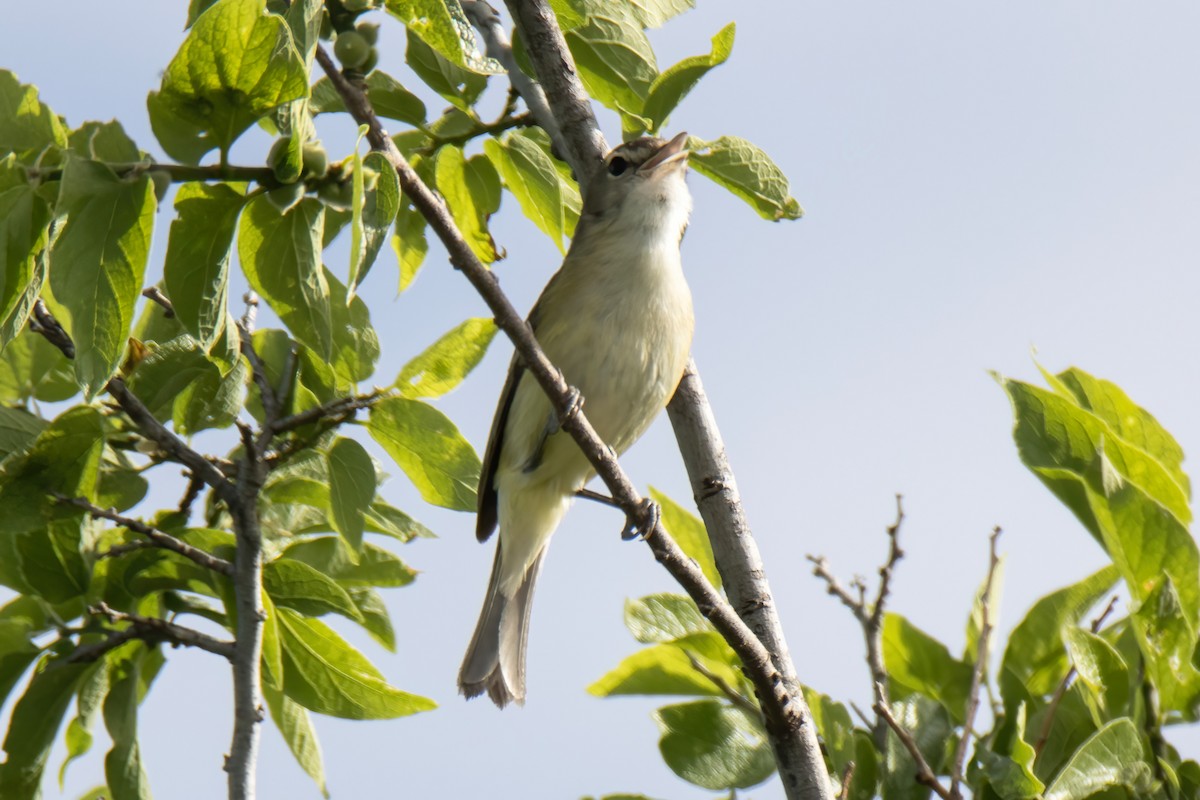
(617, 166)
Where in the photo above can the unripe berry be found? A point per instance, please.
(316, 162)
(277, 160)
(351, 49)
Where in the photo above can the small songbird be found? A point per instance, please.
(617, 321)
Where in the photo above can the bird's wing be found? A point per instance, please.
(486, 519)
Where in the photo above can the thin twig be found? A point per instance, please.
(977, 674)
(487, 22)
(343, 408)
(925, 775)
(870, 618)
(847, 777)
(737, 698)
(598, 497)
(194, 487)
(1060, 691)
(155, 294)
(151, 630)
(42, 322)
(160, 539)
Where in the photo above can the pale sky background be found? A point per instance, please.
(979, 179)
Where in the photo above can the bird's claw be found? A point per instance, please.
(640, 525)
(574, 406)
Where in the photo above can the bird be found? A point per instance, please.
(617, 321)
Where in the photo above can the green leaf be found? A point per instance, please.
(391, 521)
(196, 272)
(388, 97)
(373, 218)
(445, 363)
(296, 585)
(428, 447)
(351, 488)
(916, 662)
(1035, 654)
(443, 25)
(32, 368)
(663, 617)
(375, 618)
(27, 125)
(236, 65)
(836, 729)
(529, 173)
(1111, 757)
(23, 233)
(1100, 667)
(714, 745)
(104, 141)
(931, 728)
(98, 263)
(1129, 421)
(615, 60)
(298, 732)
(1167, 638)
(123, 769)
(33, 726)
(458, 86)
(79, 730)
(18, 429)
(689, 533)
(747, 172)
(672, 86)
(281, 256)
(409, 243)
(375, 566)
(177, 381)
(471, 188)
(1059, 441)
(323, 673)
(17, 652)
(666, 669)
(355, 342)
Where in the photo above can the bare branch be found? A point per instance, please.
(42, 322)
(870, 618)
(787, 718)
(597, 497)
(925, 775)
(977, 675)
(155, 294)
(582, 142)
(487, 22)
(847, 777)
(335, 410)
(737, 698)
(159, 538)
(151, 630)
(194, 487)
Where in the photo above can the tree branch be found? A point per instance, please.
(159, 538)
(870, 618)
(487, 22)
(733, 695)
(787, 718)
(583, 145)
(977, 675)
(925, 775)
(150, 630)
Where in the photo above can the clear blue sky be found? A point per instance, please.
(978, 180)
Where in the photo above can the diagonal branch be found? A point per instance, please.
(925, 775)
(151, 630)
(787, 717)
(159, 538)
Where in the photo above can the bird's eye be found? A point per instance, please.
(617, 166)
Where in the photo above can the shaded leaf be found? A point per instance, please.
(294, 584)
(916, 662)
(351, 488)
(388, 97)
(615, 60)
(33, 725)
(297, 730)
(375, 566)
(23, 234)
(714, 745)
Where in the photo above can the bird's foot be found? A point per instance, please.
(643, 522)
(574, 406)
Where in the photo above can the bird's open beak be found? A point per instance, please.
(672, 152)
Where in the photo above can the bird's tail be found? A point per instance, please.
(495, 660)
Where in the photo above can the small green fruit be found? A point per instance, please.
(285, 170)
(286, 196)
(368, 31)
(316, 161)
(338, 195)
(371, 62)
(351, 49)
(358, 6)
